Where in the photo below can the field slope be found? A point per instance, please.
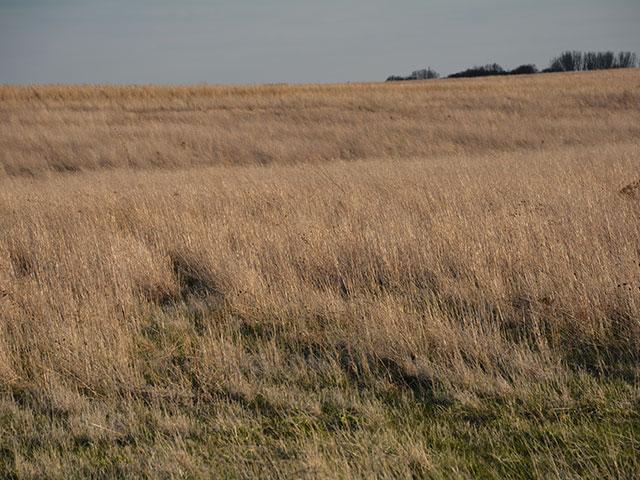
(420, 280)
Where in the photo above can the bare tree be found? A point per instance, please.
(626, 60)
(590, 61)
(606, 60)
(567, 62)
(571, 61)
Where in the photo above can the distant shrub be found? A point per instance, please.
(424, 74)
(528, 69)
(494, 70)
(484, 71)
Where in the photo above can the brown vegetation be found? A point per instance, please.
(429, 279)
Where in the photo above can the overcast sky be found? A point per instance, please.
(253, 41)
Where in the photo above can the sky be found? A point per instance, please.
(294, 41)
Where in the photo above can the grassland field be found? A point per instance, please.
(433, 279)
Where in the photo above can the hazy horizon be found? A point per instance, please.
(226, 42)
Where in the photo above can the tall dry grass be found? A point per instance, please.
(431, 280)
(70, 128)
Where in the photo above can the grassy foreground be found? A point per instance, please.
(425, 280)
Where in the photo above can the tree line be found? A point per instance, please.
(569, 61)
(579, 61)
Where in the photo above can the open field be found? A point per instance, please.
(426, 280)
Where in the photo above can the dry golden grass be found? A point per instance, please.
(89, 128)
(436, 279)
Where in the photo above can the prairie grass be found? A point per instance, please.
(425, 280)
